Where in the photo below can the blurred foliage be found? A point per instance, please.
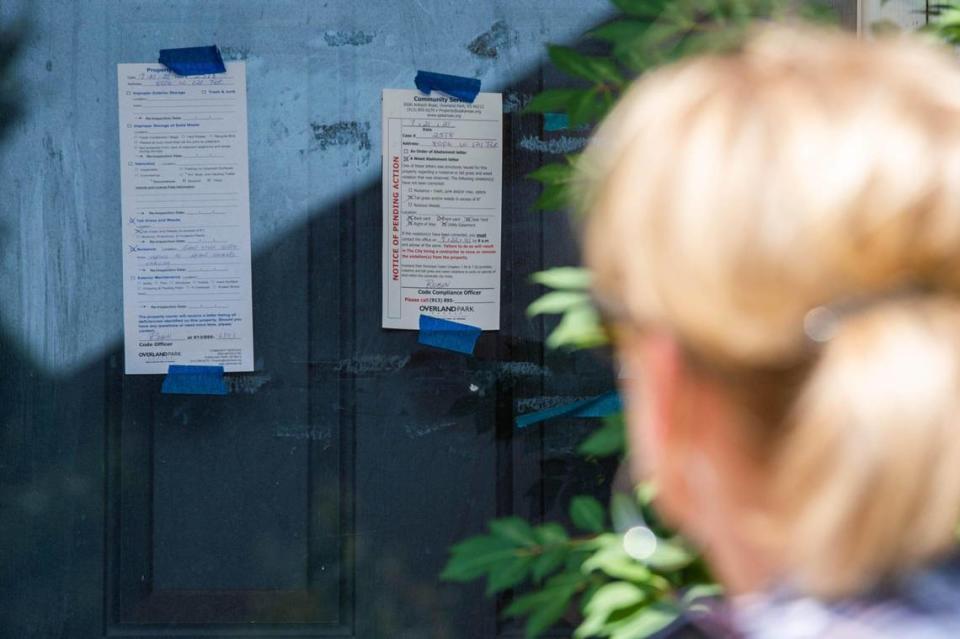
(945, 24)
(579, 325)
(589, 572)
(647, 34)
(619, 573)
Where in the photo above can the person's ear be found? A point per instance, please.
(651, 384)
(663, 363)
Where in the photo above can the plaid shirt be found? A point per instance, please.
(924, 605)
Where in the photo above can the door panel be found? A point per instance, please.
(320, 496)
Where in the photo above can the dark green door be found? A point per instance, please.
(319, 497)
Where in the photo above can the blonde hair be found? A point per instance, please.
(733, 197)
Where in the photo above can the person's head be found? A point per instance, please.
(776, 234)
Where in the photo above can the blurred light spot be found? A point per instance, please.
(820, 324)
(639, 542)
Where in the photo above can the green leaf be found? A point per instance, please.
(587, 514)
(634, 58)
(508, 574)
(548, 561)
(554, 197)
(701, 591)
(661, 33)
(606, 441)
(646, 492)
(564, 579)
(555, 549)
(589, 592)
(476, 556)
(556, 302)
(524, 604)
(709, 43)
(641, 8)
(547, 605)
(564, 277)
(950, 17)
(669, 556)
(819, 12)
(513, 529)
(612, 596)
(578, 554)
(594, 69)
(645, 622)
(578, 328)
(612, 560)
(604, 602)
(551, 534)
(552, 100)
(557, 583)
(549, 612)
(586, 109)
(655, 45)
(620, 32)
(553, 173)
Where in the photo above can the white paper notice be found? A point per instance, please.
(442, 175)
(186, 219)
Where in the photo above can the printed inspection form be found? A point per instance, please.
(186, 219)
(442, 177)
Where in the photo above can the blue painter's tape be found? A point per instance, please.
(465, 89)
(194, 380)
(556, 122)
(599, 406)
(567, 410)
(606, 404)
(193, 60)
(452, 336)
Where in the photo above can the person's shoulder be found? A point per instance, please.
(924, 604)
(686, 628)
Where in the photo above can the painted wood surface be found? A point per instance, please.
(320, 496)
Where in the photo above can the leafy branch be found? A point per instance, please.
(620, 574)
(622, 590)
(648, 34)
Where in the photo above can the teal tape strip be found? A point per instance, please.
(606, 404)
(452, 336)
(556, 122)
(194, 380)
(456, 86)
(600, 406)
